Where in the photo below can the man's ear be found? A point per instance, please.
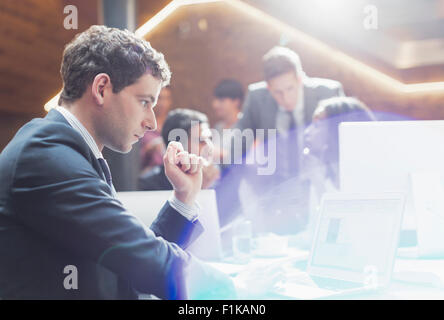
(238, 103)
(101, 86)
(299, 80)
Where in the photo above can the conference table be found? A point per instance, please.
(412, 279)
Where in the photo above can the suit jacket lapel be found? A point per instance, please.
(54, 115)
(309, 98)
(270, 113)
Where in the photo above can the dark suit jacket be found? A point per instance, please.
(56, 210)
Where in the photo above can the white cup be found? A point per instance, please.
(242, 241)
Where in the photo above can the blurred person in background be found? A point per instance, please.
(228, 96)
(152, 147)
(283, 103)
(320, 161)
(196, 128)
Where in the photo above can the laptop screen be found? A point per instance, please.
(356, 234)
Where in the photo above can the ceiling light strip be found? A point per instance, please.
(382, 78)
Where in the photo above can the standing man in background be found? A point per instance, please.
(284, 102)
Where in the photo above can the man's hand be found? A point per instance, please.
(204, 282)
(184, 171)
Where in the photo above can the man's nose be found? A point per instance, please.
(286, 98)
(150, 122)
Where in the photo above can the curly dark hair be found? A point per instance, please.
(118, 53)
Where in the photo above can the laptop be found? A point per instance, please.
(354, 247)
(425, 194)
(400, 156)
(146, 205)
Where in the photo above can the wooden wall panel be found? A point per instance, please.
(32, 38)
(31, 46)
(228, 43)
(233, 45)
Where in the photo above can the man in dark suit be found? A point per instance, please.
(282, 106)
(287, 98)
(63, 234)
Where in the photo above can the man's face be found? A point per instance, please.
(199, 141)
(225, 106)
(129, 113)
(284, 89)
(316, 135)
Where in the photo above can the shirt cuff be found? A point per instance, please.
(191, 213)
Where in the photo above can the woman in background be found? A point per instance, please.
(320, 163)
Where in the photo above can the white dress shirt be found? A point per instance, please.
(283, 120)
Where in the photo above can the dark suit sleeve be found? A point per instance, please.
(174, 227)
(247, 122)
(61, 197)
(155, 180)
(330, 88)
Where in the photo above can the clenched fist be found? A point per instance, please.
(184, 171)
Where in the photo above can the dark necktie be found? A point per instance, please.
(106, 171)
(292, 146)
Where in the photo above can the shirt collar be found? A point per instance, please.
(77, 125)
(298, 111)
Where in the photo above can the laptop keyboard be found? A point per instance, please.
(321, 282)
(334, 284)
(303, 286)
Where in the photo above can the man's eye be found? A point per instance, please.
(145, 103)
